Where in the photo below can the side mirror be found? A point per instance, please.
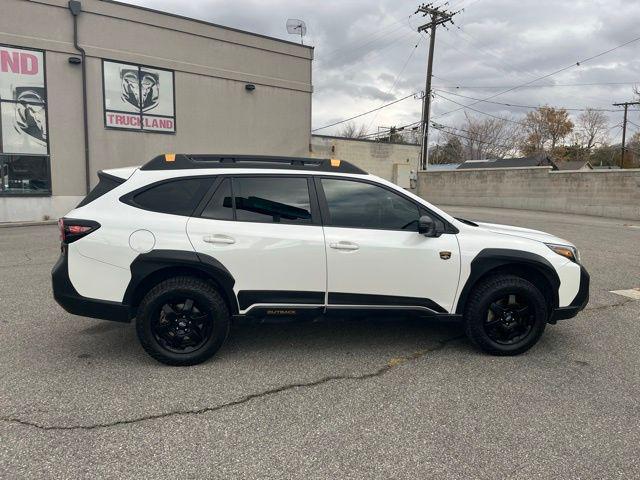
(426, 226)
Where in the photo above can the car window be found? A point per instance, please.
(220, 206)
(363, 205)
(178, 197)
(272, 199)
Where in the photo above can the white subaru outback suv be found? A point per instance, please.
(187, 243)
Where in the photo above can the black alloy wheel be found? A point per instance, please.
(509, 319)
(181, 325)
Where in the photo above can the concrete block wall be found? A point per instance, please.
(375, 157)
(607, 193)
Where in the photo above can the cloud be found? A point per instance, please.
(361, 47)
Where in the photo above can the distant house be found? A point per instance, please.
(575, 165)
(537, 161)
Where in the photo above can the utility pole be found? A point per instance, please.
(624, 127)
(437, 17)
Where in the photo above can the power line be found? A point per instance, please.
(365, 113)
(355, 61)
(527, 106)
(395, 80)
(471, 40)
(372, 38)
(439, 127)
(578, 63)
(389, 130)
(497, 87)
(479, 111)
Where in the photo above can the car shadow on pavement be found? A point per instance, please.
(342, 337)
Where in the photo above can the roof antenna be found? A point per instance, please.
(297, 27)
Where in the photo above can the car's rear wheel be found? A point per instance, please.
(182, 321)
(505, 315)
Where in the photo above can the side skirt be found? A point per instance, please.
(291, 313)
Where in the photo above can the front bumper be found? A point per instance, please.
(578, 303)
(68, 297)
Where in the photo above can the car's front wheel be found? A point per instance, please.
(182, 321)
(505, 315)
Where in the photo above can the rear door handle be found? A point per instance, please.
(219, 239)
(343, 245)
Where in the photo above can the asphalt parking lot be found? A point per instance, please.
(79, 398)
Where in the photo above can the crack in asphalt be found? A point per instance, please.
(611, 305)
(390, 365)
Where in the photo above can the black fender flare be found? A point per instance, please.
(150, 263)
(492, 258)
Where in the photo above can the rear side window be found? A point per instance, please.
(106, 184)
(177, 197)
(272, 199)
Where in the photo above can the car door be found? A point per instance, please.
(375, 255)
(266, 231)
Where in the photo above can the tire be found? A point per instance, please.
(505, 315)
(182, 321)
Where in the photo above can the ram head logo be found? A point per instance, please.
(140, 89)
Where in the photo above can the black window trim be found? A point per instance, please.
(129, 198)
(316, 219)
(326, 217)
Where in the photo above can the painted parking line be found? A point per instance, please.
(633, 293)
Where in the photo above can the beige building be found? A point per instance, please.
(154, 83)
(396, 162)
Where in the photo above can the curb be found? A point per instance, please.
(27, 224)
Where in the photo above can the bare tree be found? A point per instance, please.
(352, 130)
(488, 138)
(448, 150)
(592, 128)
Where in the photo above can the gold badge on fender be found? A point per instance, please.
(445, 255)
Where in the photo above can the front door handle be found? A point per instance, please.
(219, 239)
(343, 245)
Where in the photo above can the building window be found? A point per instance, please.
(24, 144)
(138, 98)
(24, 174)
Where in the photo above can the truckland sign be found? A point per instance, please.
(23, 102)
(138, 98)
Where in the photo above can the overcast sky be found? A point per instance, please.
(365, 55)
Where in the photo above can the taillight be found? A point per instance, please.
(72, 229)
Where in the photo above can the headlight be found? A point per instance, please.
(566, 251)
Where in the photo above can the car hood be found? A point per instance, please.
(523, 232)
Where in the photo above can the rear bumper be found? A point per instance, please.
(69, 299)
(578, 303)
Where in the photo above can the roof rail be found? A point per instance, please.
(180, 161)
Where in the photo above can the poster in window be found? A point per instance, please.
(138, 98)
(23, 101)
